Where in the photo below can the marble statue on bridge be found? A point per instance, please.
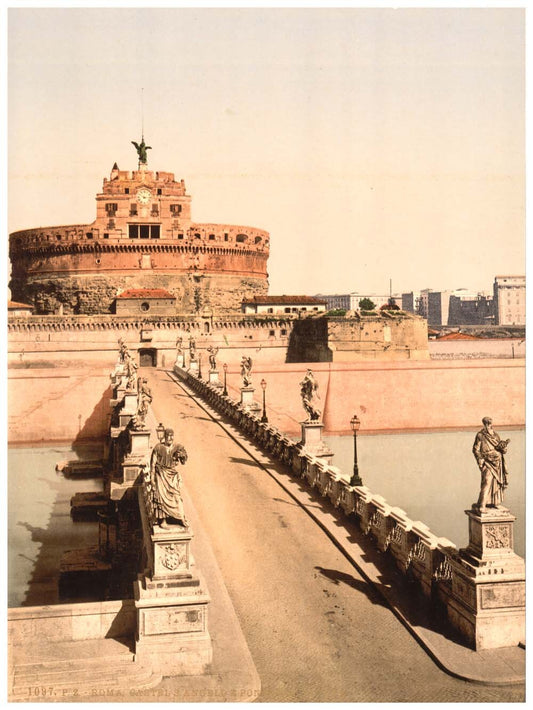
(192, 350)
(309, 394)
(246, 370)
(123, 350)
(144, 399)
(130, 368)
(489, 450)
(212, 350)
(165, 479)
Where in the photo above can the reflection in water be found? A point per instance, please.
(433, 476)
(39, 524)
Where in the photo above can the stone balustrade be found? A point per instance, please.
(481, 587)
(170, 595)
(417, 552)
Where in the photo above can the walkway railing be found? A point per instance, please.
(416, 550)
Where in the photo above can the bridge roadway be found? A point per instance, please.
(317, 631)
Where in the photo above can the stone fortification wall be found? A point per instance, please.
(90, 293)
(340, 339)
(81, 269)
(75, 341)
(480, 348)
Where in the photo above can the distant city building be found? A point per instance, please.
(459, 307)
(433, 305)
(510, 300)
(283, 304)
(409, 302)
(338, 300)
(438, 307)
(351, 301)
(467, 308)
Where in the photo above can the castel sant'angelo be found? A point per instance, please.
(143, 237)
(144, 262)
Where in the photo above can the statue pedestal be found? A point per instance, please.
(129, 407)
(118, 391)
(193, 367)
(247, 399)
(312, 442)
(487, 604)
(180, 361)
(213, 378)
(171, 601)
(140, 442)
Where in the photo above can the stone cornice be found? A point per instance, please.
(112, 322)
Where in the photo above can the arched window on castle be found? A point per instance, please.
(242, 238)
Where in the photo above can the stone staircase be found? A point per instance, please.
(101, 669)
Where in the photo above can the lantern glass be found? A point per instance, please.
(355, 423)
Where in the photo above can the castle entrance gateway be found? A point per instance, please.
(148, 357)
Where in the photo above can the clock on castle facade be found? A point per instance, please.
(142, 237)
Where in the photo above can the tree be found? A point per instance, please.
(365, 304)
(390, 306)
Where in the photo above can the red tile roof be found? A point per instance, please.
(145, 293)
(14, 305)
(272, 300)
(458, 336)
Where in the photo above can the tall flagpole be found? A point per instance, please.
(142, 113)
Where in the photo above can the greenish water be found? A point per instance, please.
(39, 525)
(434, 476)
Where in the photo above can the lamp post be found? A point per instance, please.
(264, 418)
(160, 431)
(199, 366)
(225, 368)
(356, 478)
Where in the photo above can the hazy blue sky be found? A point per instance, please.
(371, 144)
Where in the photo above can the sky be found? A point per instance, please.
(372, 144)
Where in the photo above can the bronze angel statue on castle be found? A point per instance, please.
(141, 149)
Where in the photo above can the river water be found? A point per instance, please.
(433, 476)
(40, 529)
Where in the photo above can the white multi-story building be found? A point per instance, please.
(351, 301)
(510, 300)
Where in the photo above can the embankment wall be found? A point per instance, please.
(58, 404)
(70, 404)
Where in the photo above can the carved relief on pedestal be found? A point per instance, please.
(498, 596)
(497, 536)
(173, 556)
(173, 620)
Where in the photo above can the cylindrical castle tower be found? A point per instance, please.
(142, 237)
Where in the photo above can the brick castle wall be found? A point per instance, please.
(94, 293)
(78, 269)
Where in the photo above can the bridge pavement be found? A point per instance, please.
(317, 631)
